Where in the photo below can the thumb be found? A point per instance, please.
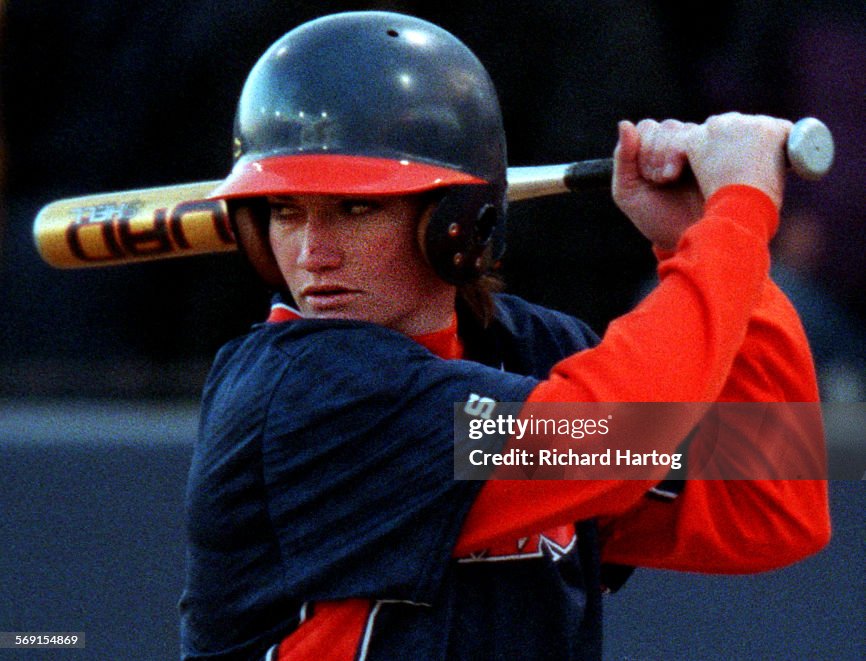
(625, 157)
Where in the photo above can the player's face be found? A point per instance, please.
(358, 258)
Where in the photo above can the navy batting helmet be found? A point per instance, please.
(375, 103)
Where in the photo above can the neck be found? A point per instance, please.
(434, 314)
(444, 342)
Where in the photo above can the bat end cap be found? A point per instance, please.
(810, 148)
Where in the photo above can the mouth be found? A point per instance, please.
(328, 297)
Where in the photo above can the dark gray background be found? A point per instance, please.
(100, 370)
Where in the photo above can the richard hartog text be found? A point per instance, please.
(518, 429)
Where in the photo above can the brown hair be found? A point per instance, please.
(478, 296)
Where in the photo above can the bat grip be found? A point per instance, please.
(594, 174)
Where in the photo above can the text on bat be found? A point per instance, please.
(164, 232)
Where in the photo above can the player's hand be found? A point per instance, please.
(740, 149)
(653, 187)
(648, 183)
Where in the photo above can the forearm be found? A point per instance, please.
(744, 525)
(679, 344)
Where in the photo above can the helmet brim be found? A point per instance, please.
(336, 174)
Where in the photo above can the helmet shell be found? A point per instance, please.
(377, 103)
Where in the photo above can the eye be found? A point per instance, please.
(285, 212)
(359, 207)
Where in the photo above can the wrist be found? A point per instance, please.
(746, 205)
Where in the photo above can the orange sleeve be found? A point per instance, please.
(743, 526)
(678, 345)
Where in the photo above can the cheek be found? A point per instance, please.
(285, 251)
(399, 264)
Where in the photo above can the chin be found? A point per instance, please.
(343, 312)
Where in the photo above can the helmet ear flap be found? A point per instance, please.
(458, 238)
(250, 219)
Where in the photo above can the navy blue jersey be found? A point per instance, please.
(324, 471)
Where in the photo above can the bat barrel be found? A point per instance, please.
(133, 226)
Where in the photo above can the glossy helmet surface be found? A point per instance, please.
(374, 103)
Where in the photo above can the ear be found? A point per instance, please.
(427, 212)
(250, 221)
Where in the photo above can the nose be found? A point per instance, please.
(320, 248)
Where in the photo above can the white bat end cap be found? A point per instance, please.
(810, 148)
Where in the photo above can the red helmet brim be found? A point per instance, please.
(336, 174)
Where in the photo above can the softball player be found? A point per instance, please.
(369, 192)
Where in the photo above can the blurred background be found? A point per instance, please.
(100, 370)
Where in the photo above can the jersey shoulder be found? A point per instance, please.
(523, 318)
(328, 360)
(531, 338)
(342, 344)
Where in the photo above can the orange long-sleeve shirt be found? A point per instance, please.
(716, 329)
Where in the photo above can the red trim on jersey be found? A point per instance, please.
(444, 343)
(334, 632)
(336, 174)
(281, 312)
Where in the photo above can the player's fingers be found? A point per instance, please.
(663, 149)
(675, 156)
(625, 155)
(648, 133)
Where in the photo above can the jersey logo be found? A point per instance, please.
(479, 407)
(554, 543)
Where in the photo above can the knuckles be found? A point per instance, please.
(662, 145)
